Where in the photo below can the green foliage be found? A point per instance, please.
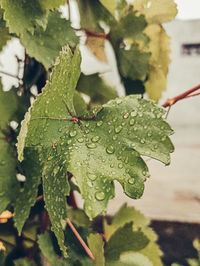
(95, 143)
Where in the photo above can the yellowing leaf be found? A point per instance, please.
(159, 47)
(110, 5)
(97, 47)
(5, 216)
(156, 11)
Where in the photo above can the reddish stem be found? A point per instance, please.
(99, 35)
(88, 251)
(71, 200)
(181, 96)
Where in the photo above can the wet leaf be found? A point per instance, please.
(45, 45)
(97, 151)
(4, 33)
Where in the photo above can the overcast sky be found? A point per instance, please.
(188, 9)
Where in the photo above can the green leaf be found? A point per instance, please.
(96, 245)
(78, 217)
(32, 170)
(105, 148)
(24, 262)
(140, 222)
(51, 4)
(131, 259)
(4, 33)
(45, 44)
(123, 240)
(133, 63)
(8, 180)
(95, 87)
(46, 246)
(156, 11)
(23, 15)
(159, 47)
(80, 105)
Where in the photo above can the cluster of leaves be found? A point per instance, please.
(61, 136)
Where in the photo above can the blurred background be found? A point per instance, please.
(172, 193)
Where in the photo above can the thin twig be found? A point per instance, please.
(88, 251)
(10, 75)
(182, 96)
(39, 198)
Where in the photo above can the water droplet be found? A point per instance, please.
(80, 140)
(112, 165)
(110, 149)
(140, 114)
(87, 124)
(55, 170)
(118, 129)
(90, 184)
(120, 165)
(133, 145)
(131, 181)
(134, 113)
(49, 158)
(99, 123)
(69, 141)
(100, 195)
(95, 139)
(132, 122)
(159, 115)
(118, 101)
(72, 133)
(126, 115)
(149, 134)
(114, 137)
(91, 145)
(92, 177)
(163, 138)
(142, 141)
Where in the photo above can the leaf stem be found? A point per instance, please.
(10, 75)
(88, 251)
(184, 95)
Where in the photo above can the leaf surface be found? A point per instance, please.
(51, 4)
(4, 33)
(45, 45)
(110, 5)
(96, 245)
(22, 15)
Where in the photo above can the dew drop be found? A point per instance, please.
(131, 181)
(120, 165)
(132, 122)
(100, 195)
(95, 139)
(55, 170)
(72, 133)
(114, 137)
(134, 113)
(49, 158)
(118, 101)
(90, 184)
(142, 141)
(92, 177)
(69, 141)
(91, 145)
(99, 123)
(163, 138)
(126, 115)
(118, 129)
(149, 134)
(110, 149)
(80, 140)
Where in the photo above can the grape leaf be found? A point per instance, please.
(33, 174)
(51, 4)
(95, 87)
(159, 47)
(45, 45)
(98, 151)
(4, 33)
(123, 240)
(131, 259)
(46, 246)
(96, 245)
(23, 15)
(8, 180)
(156, 11)
(140, 222)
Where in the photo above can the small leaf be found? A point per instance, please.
(156, 11)
(96, 245)
(123, 240)
(22, 15)
(45, 45)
